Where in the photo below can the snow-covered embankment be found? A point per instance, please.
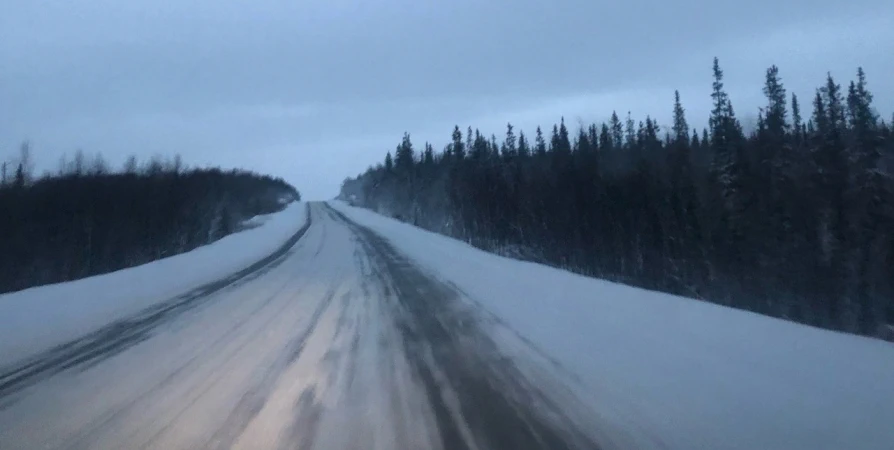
(40, 318)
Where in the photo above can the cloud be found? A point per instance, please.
(319, 89)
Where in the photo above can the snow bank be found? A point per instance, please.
(39, 318)
(674, 372)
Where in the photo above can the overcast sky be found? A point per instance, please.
(316, 90)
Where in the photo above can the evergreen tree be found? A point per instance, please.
(405, 156)
(470, 143)
(539, 143)
(775, 152)
(681, 127)
(630, 141)
(389, 164)
(480, 148)
(581, 144)
(554, 140)
(509, 148)
(798, 133)
(494, 147)
(617, 130)
(459, 148)
(564, 140)
(428, 157)
(777, 124)
(606, 142)
(524, 149)
(774, 177)
(719, 100)
(593, 138)
(729, 173)
(863, 121)
(869, 196)
(831, 179)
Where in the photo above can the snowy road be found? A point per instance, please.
(340, 343)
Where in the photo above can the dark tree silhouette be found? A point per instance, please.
(88, 221)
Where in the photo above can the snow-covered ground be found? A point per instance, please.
(39, 318)
(674, 372)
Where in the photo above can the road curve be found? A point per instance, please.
(338, 343)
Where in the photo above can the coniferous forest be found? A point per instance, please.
(793, 219)
(86, 220)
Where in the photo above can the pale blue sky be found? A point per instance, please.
(316, 90)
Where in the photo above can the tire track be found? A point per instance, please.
(479, 398)
(254, 399)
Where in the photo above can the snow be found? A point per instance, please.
(40, 318)
(302, 356)
(255, 221)
(673, 372)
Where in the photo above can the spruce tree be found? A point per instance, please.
(831, 178)
(863, 121)
(593, 138)
(428, 157)
(470, 142)
(564, 140)
(509, 148)
(797, 132)
(405, 156)
(630, 129)
(617, 131)
(605, 140)
(389, 164)
(681, 127)
(554, 143)
(539, 143)
(719, 100)
(868, 198)
(775, 152)
(581, 144)
(459, 148)
(524, 149)
(480, 147)
(728, 172)
(777, 125)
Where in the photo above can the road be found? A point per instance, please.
(339, 343)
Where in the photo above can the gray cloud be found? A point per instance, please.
(317, 90)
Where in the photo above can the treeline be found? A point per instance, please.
(86, 220)
(793, 219)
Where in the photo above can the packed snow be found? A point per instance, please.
(40, 318)
(673, 372)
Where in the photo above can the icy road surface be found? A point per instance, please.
(340, 343)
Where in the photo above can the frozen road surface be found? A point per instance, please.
(338, 343)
